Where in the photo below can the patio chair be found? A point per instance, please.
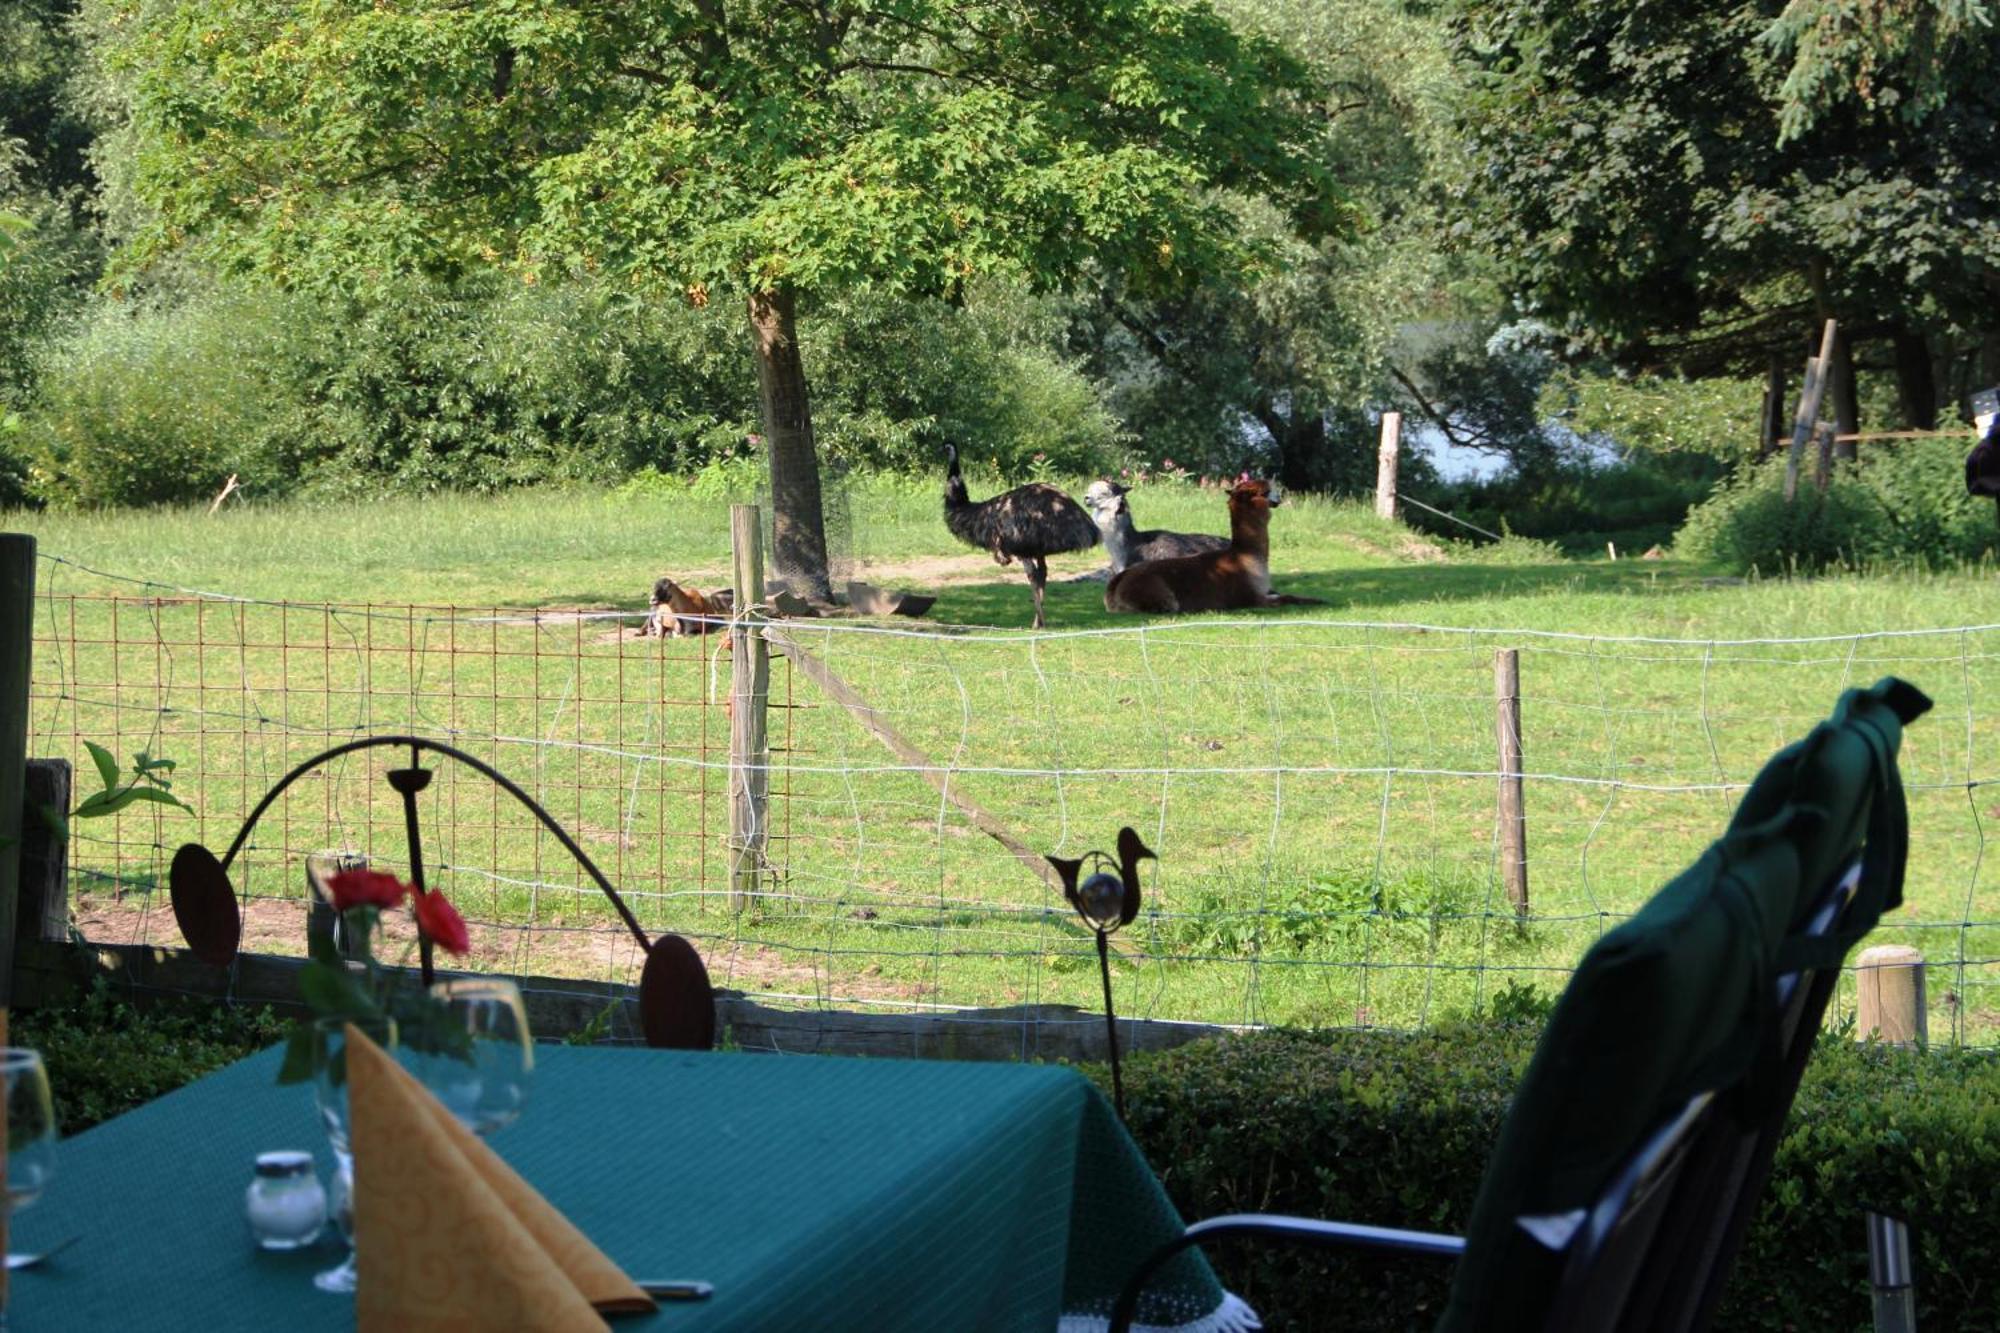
(1642, 1133)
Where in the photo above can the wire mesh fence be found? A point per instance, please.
(1321, 794)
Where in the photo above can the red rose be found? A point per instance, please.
(440, 921)
(365, 888)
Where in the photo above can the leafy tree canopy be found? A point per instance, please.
(711, 145)
(1635, 179)
(1887, 55)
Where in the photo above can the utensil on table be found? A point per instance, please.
(16, 1262)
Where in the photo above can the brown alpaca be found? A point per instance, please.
(1228, 580)
(678, 610)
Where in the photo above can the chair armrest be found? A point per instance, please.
(1309, 1230)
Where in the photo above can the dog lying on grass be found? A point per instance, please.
(679, 611)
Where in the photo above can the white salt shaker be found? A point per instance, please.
(285, 1205)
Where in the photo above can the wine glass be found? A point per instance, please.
(330, 1093)
(481, 1071)
(30, 1124)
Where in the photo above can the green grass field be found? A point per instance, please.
(1317, 781)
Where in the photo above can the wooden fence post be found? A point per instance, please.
(17, 625)
(1513, 811)
(1889, 995)
(749, 693)
(1385, 464)
(1817, 369)
(1823, 433)
(1889, 1004)
(43, 913)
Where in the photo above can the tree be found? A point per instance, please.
(1663, 184)
(1283, 364)
(762, 151)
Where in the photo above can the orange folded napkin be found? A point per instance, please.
(447, 1237)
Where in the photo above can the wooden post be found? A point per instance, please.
(17, 624)
(1809, 397)
(1385, 464)
(749, 693)
(321, 920)
(1823, 474)
(1513, 811)
(1889, 1005)
(44, 910)
(1889, 995)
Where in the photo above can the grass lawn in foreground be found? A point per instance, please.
(1318, 780)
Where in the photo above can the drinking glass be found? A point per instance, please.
(30, 1125)
(330, 1093)
(483, 1072)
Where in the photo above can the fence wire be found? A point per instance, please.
(1321, 794)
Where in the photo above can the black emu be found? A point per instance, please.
(1107, 504)
(1029, 524)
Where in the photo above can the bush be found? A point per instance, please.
(1903, 504)
(156, 405)
(490, 384)
(1580, 505)
(105, 1057)
(1394, 1129)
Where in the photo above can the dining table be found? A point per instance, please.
(809, 1192)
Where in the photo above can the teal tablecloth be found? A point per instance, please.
(814, 1192)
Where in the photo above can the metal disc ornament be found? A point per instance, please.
(205, 905)
(676, 1002)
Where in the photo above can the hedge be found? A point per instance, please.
(105, 1057)
(1394, 1129)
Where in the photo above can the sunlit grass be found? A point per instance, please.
(1317, 780)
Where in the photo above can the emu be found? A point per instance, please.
(1219, 581)
(1107, 504)
(1029, 523)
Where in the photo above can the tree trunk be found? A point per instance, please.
(1915, 388)
(1846, 395)
(1772, 419)
(1300, 441)
(798, 528)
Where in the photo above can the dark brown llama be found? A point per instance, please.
(1230, 580)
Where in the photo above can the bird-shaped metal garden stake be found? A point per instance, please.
(1106, 901)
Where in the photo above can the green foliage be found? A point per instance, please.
(477, 387)
(1892, 56)
(1387, 1129)
(597, 1029)
(488, 383)
(1283, 369)
(46, 261)
(705, 151)
(1578, 505)
(1656, 414)
(1322, 914)
(156, 405)
(1394, 1129)
(149, 782)
(1631, 173)
(1902, 503)
(106, 1056)
(897, 378)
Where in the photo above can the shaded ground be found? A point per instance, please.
(278, 927)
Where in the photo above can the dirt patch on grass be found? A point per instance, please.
(1406, 548)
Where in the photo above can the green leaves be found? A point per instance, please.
(905, 147)
(149, 782)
